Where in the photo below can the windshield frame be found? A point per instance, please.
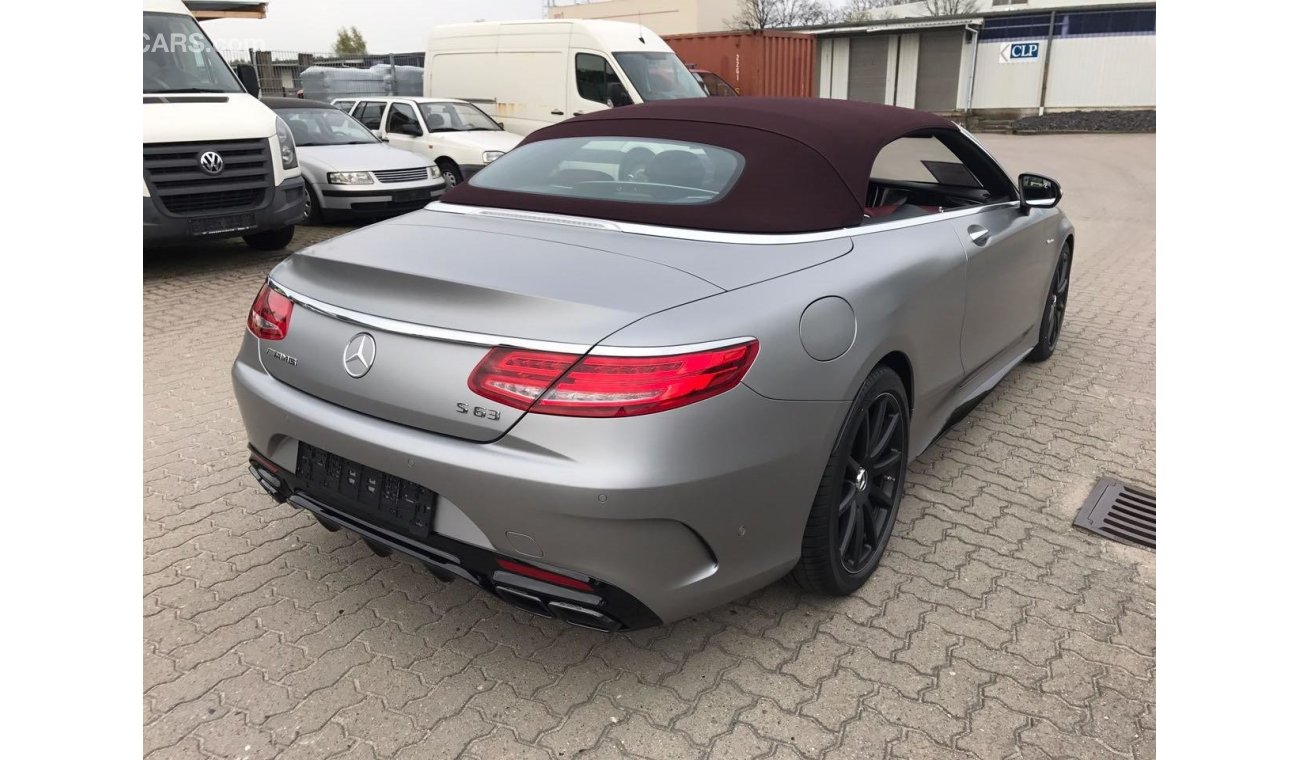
(283, 113)
(213, 61)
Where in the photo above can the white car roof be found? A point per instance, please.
(390, 98)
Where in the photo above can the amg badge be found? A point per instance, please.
(287, 359)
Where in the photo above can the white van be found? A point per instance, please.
(528, 74)
(217, 162)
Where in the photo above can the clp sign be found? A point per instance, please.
(1020, 52)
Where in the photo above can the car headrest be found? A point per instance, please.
(676, 167)
(435, 120)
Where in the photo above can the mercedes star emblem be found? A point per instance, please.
(359, 355)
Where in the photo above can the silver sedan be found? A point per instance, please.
(350, 173)
(658, 356)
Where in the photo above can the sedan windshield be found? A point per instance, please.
(324, 126)
(633, 170)
(178, 57)
(456, 117)
(659, 76)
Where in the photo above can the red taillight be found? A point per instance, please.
(269, 317)
(529, 571)
(608, 386)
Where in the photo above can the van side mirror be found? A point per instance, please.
(247, 74)
(617, 95)
(1037, 191)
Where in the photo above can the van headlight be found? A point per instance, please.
(491, 155)
(288, 153)
(349, 178)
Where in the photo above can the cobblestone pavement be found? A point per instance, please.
(993, 629)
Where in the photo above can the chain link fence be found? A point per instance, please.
(321, 76)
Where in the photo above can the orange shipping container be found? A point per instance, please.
(763, 63)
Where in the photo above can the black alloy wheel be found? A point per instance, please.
(856, 505)
(873, 478)
(1058, 295)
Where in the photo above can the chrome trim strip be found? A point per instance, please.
(687, 348)
(744, 238)
(463, 337)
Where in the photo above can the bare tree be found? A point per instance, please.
(757, 15)
(950, 7)
(865, 10)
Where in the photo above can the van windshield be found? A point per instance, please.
(178, 57)
(659, 76)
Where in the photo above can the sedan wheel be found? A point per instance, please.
(312, 213)
(873, 476)
(450, 173)
(857, 503)
(1049, 331)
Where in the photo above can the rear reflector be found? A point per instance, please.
(269, 317)
(529, 571)
(608, 386)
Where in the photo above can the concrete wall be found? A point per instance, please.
(659, 16)
(1006, 85)
(1084, 72)
(1095, 72)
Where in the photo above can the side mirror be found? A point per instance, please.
(1037, 191)
(247, 74)
(409, 130)
(617, 95)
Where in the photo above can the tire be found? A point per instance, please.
(832, 563)
(450, 172)
(1058, 293)
(315, 214)
(271, 240)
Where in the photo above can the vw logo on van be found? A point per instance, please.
(212, 162)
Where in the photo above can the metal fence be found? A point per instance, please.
(280, 73)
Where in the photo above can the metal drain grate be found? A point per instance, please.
(1120, 512)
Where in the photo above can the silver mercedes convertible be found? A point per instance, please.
(655, 357)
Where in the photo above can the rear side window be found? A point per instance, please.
(370, 113)
(921, 159)
(345, 105)
(630, 170)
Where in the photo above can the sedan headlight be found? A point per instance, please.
(491, 155)
(350, 178)
(288, 152)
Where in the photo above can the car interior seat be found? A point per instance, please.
(676, 167)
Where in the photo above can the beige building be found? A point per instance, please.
(659, 16)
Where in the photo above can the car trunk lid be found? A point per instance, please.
(434, 300)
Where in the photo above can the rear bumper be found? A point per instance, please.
(284, 210)
(681, 511)
(605, 607)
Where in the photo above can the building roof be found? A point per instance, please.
(821, 149)
(903, 23)
(207, 9)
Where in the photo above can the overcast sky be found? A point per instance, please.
(389, 26)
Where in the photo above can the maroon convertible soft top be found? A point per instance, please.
(807, 161)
